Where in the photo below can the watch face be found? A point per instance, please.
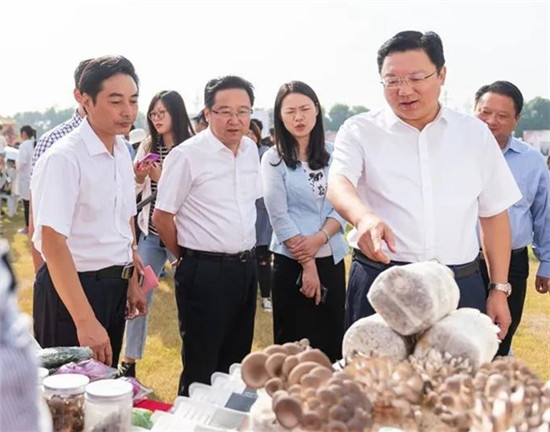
(505, 288)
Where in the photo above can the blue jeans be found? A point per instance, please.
(155, 255)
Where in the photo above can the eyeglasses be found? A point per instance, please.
(227, 114)
(393, 82)
(159, 114)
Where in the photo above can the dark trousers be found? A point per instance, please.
(26, 210)
(296, 316)
(361, 276)
(263, 266)
(517, 277)
(216, 306)
(53, 325)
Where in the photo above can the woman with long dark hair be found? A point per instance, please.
(308, 290)
(169, 126)
(24, 170)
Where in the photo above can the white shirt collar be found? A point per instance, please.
(92, 142)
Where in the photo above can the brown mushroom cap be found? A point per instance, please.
(310, 380)
(253, 370)
(288, 412)
(339, 413)
(315, 355)
(322, 372)
(336, 426)
(290, 363)
(272, 349)
(273, 385)
(300, 370)
(277, 395)
(304, 342)
(327, 396)
(274, 364)
(311, 421)
(293, 347)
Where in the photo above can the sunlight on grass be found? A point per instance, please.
(161, 366)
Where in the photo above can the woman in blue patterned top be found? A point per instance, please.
(308, 287)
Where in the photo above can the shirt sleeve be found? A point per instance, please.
(540, 211)
(275, 198)
(54, 196)
(175, 182)
(43, 143)
(348, 154)
(499, 188)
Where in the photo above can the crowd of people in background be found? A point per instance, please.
(233, 212)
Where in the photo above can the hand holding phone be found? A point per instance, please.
(149, 157)
(324, 289)
(149, 280)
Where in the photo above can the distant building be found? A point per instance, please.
(540, 139)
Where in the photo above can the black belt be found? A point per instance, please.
(113, 272)
(460, 271)
(244, 256)
(513, 253)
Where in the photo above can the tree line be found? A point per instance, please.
(535, 116)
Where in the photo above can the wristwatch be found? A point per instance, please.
(506, 288)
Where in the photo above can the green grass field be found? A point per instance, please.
(161, 365)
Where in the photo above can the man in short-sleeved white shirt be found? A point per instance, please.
(83, 197)
(205, 214)
(414, 179)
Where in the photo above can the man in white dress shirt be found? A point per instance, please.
(83, 198)
(414, 179)
(205, 215)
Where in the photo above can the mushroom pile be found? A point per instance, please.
(419, 364)
(306, 392)
(502, 396)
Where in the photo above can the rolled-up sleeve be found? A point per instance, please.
(54, 197)
(275, 197)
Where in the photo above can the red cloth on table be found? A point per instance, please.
(153, 405)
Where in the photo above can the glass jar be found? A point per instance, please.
(44, 415)
(64, 395)
(108, 406)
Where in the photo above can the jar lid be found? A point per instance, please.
(66, 383)
(109, 389)
(42, 373)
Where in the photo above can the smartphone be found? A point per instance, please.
(324, 294)
(149, 157)
(324, 289)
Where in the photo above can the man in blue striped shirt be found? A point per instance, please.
(499, 105)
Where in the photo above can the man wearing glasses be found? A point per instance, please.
(205, 214)
(499, 105)
(415, 178)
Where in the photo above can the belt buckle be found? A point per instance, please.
(127, 271)
(244, 256)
